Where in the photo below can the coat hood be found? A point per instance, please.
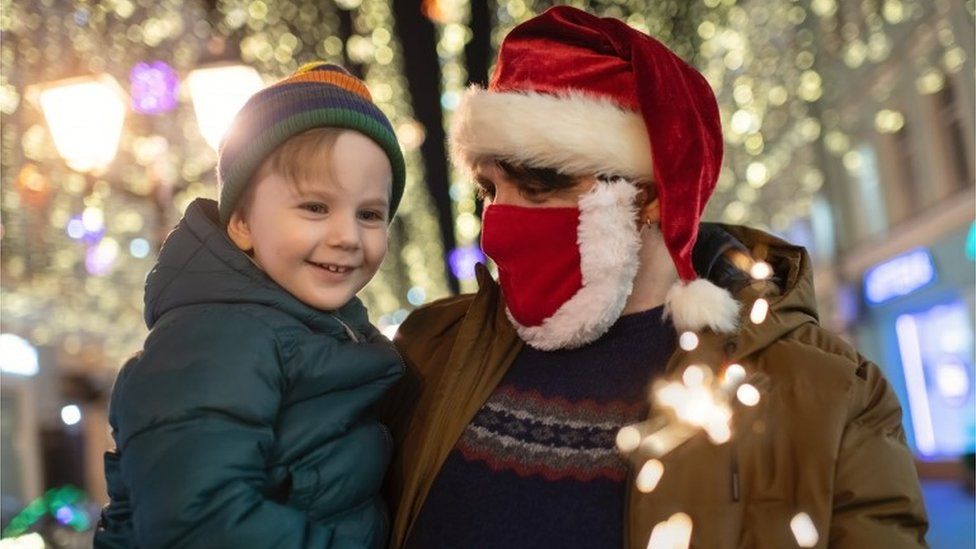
(790, 292)
(198, 264)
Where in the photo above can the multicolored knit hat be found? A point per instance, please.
(317, 95)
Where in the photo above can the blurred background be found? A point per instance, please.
(849, 127)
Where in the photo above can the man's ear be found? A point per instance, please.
(650, 214)
(648, 204)
(240, 232)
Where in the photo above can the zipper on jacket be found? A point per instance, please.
(349, 331)
(403, 362)
(736, 491)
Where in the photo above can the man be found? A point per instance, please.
(596, 149)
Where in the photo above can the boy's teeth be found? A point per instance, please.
(333, 268)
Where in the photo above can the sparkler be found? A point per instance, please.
(700, 401)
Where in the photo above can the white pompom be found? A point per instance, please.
(699, 304)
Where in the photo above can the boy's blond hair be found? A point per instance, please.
(297, 160)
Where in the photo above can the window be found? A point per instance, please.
(905, 154)
(870, 203)
(951, 124)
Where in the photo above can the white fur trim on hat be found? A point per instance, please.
(699, 304)
(573, 132)
(608, 241)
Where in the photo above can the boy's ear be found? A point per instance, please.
(239, 232)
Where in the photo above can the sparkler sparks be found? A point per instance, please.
(628, 439)
(747, 394)
(674, 533)
(804, 531)
(688, 341)
(694, 376)
(760, 270)
(759, 310)
(733, 375)
(699, 402)
(649, 475)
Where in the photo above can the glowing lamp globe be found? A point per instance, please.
(218, 93)
(85, 117)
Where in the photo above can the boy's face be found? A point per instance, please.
(322, 239)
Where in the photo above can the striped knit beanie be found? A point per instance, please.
(317, 95)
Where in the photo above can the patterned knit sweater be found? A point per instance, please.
(537, 466)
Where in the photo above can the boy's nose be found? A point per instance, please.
(343, 232)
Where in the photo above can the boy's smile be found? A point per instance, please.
(322, 239)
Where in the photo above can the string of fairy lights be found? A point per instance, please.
(77, 247)
(452, 24)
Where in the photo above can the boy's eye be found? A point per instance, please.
(372, 215)
(314, 207)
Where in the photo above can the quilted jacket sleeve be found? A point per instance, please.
(194, 421)
(877, 499)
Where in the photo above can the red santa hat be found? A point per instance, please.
(585, 95)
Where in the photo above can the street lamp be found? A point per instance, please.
(218, 93)
(85, 117)
(17, 356)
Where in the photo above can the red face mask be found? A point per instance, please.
(565, 273)
(537, 255)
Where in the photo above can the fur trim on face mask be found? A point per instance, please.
(609, 243)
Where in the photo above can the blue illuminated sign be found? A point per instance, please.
(935, 347)
(899, 276)
(971, 242)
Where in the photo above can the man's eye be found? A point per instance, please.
(535, 194)
(314, 207)
(484, 189)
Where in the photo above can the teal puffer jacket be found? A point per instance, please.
(247, 418)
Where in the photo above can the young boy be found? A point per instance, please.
(247, 419)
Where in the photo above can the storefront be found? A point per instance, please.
(916, 319)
